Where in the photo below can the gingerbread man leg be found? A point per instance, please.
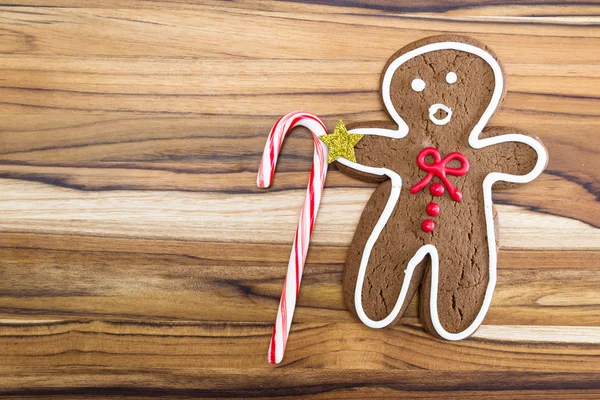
(382, 273)
(460, 280)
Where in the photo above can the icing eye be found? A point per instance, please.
(451, 77)
(418, 85)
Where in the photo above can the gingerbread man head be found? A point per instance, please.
(442, 85)
(431, 222)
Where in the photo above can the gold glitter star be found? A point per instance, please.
(341, 143)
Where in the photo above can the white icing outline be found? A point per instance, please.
(418, 85)
(439, 106)
(476, 143)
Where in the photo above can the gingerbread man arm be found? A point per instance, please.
(518, 156)
(374, 151)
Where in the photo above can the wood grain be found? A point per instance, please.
(139, 260)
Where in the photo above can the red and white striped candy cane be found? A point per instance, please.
(308, 214)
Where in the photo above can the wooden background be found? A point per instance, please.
(138, 259)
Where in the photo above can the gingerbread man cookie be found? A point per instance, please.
(431, 222)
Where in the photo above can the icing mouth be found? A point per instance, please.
(437, 107)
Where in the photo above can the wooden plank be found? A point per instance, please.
(190, 382)
(457, 8)
(55, 276)
(206, 253)
(99, 77)
(39, 208)
(219, 32)
(326, 345)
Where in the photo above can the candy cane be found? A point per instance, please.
(308, 214)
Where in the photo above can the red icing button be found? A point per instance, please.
(433, 209)
(437, 189)
(427, 225)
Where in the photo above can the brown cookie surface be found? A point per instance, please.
(442, 96)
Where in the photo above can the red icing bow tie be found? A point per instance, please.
(440, 169)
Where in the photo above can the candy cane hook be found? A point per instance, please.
(308, 214)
